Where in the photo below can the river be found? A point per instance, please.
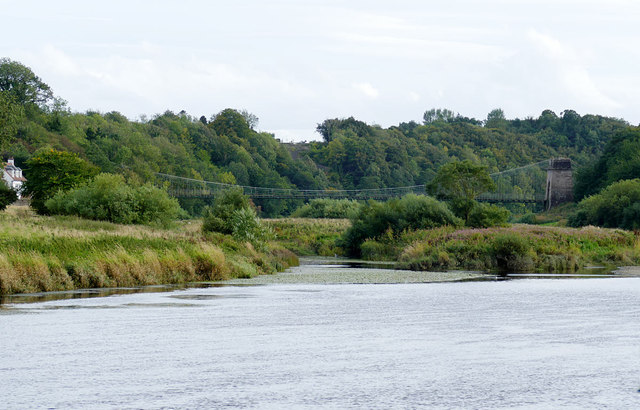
(525, 343)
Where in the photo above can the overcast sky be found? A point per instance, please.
(295, 63)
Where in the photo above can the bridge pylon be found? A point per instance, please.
(559, 183)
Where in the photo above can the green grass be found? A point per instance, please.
(307, 236)
(519, 248)
(61, 253)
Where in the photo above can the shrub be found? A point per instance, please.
(7, 196)
(393, 217)
(486, 215)
(108, 198)
(512, 253)
(328, 208)
(218, 217)
(233, 214)
(617, 206)
(528, 218)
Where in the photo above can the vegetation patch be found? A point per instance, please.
(306, 237)
(520, 248)
(51, 253)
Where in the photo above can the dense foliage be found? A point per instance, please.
(486, 215)
(617, 206)
(328, 208)
(51, 171)
(619, 160)
(459, 183)
(7, 196)
(225, 147)
(233, 213)
(392, 217)
(522, 248)
(362, 156)
(109, 198)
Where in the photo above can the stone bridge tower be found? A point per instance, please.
(559, 183)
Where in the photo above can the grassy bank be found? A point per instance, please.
(307, 236)
(61, 253)
(519, 248)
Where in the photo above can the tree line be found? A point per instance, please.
(226, 147)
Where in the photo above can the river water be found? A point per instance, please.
(525, 343)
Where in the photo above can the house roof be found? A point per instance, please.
(10, 167)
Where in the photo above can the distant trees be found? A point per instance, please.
(438, 114)
(620, 160)
(616, 206)
(496, 119)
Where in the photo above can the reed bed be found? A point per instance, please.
(39, 254)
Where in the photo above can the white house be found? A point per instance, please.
(12, 176)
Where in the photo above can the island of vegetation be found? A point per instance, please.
(95, 213)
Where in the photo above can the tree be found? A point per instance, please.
(496, 119)
(7, 196)
(50, 171)
(231, 123)
(251, 119)
(460, 182)
(438, 115)
(22, 84)
(10, 116)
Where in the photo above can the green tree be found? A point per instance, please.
(21, 83)
(7, 196)
(496, 119)
(460, 182)
(616, 206)
(50, 171)
(439, 114)
(10, 116)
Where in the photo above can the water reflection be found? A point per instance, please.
(325, 270)
(97, 293)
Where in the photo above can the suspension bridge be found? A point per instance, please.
(525, 184)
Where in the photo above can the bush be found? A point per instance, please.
(7, 196)
(512, 253)
(528, 218)
(328, 208)
(376, 219)
(108, 198)
(486, 215)
(617, 206)
(233, 214)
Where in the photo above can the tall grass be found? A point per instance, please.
(308, 236)
(520, 248)
(61, 253)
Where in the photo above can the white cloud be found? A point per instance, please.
(571, 72)
(366, 89)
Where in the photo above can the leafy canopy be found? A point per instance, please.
(617, 206)
(109, 198)
(50, 171)
(22, 84)
(461, 179)
(460, 182)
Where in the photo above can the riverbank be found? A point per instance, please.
(43, 254)
(516, 248)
